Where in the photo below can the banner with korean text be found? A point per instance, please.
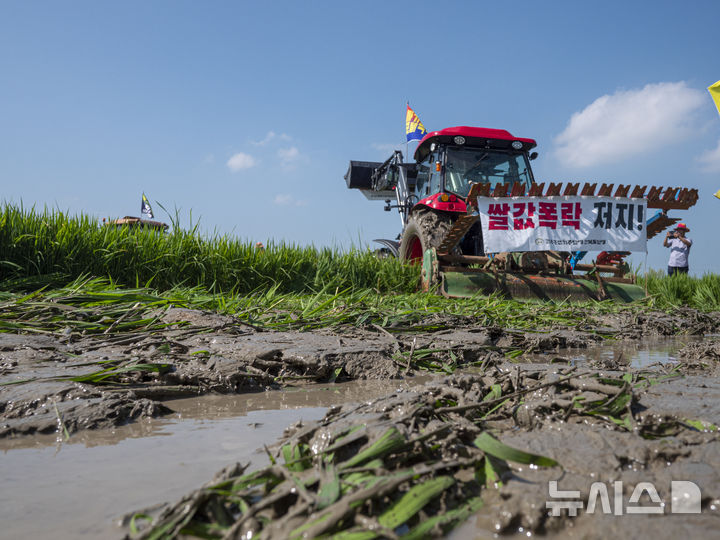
(562, 224)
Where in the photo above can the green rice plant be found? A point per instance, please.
(113, 375)
(409, 504)
(490, 445)
(669, 292)
(49, 247)
(50, 243)
(102, 306)
(707, 293)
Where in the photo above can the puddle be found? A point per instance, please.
(107, 473)
(45, 488)
(638, 354)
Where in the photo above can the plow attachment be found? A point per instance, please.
(546, 275)
(457, 281)
(464, 284)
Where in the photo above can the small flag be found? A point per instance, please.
(414, 130)
(145, 209)
(718, 194)
(715, 93)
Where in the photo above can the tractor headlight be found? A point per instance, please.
(517, 145)
(459, 139)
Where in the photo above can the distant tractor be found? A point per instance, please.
(436, 197)
(145, 222)
(137, 223)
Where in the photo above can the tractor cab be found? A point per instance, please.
(451, 160)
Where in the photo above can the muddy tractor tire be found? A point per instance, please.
(425, 229)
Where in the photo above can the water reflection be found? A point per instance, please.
(612, 354)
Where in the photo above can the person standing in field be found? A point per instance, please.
(679, 250)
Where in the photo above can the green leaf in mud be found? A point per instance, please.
(445, 402)
(109, 375)
(427, 527)
(257, 478)
(404, 509)
(615, 407)
(490, 445)
(296, 457)
(336, 374)
(390, 440)
(495, 408)
(329, 491)
(645, 381)
(700, 425)
(514, 353)
(357, 479)
(414, 500)
(134, 522)
(494, 393)
(489, 472)
(208, 531)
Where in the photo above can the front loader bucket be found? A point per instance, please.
(466, 284)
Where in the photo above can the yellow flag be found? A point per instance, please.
(715, 93)
(718, 194)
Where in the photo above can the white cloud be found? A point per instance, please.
(710, 160)
(629, 122)
(241, 161)
(285, 199)
(288, 155)
(271, 135)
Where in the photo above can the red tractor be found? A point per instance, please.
(437, 196)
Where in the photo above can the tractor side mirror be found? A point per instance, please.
(533, 156)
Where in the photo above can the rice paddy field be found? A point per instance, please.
(471, 406)
(51, 248)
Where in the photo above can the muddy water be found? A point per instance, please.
(78, 490)
(81, 487)
(641, 354)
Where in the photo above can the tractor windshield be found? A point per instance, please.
(464, 166)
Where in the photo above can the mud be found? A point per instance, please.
(606, 455)
(50, 386)
(210, 353)
(665, 431)
(707, 351)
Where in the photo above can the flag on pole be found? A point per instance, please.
(414, 130)
(715, 93)
(145, 209)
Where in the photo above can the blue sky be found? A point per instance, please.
(244, 115)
